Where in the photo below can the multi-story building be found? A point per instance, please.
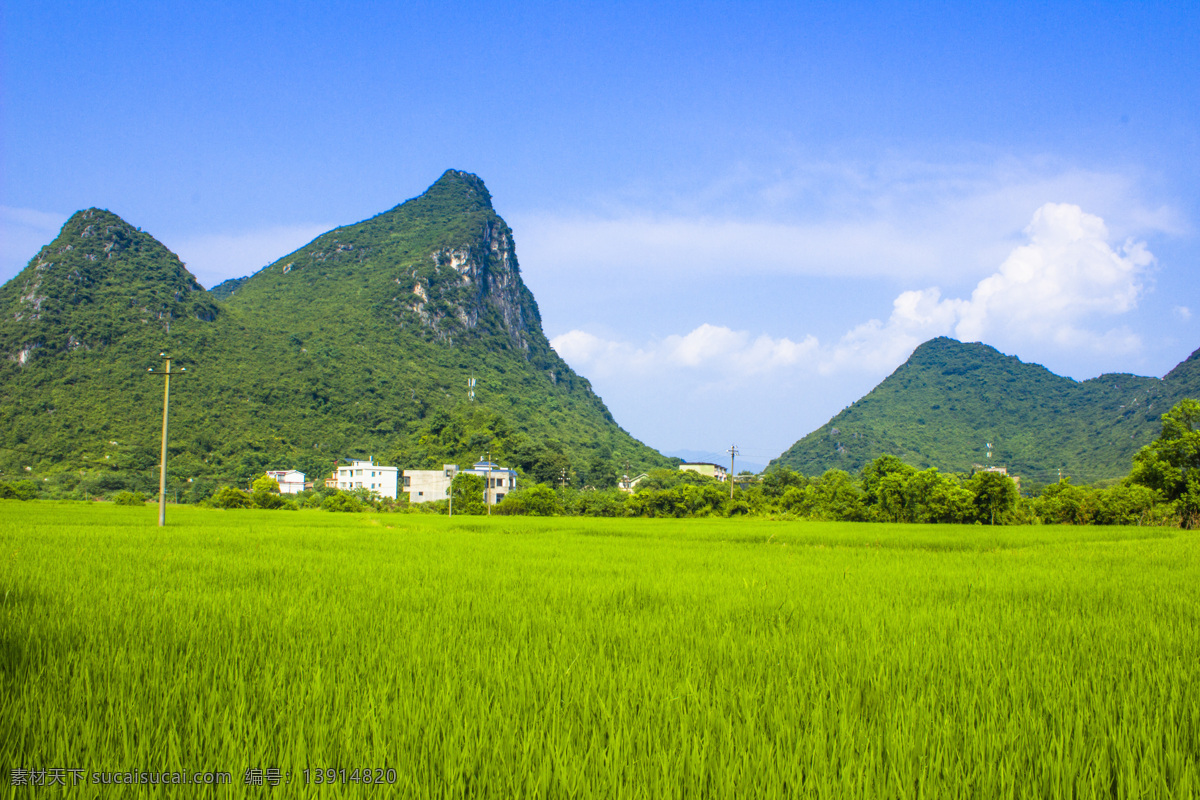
(499, 480)
(424, 485)
(368, 475)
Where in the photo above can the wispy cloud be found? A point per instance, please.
(23, 231)
(1055, 286)
(715, 350)
(210, 257)
(901, 219)
(215, 257)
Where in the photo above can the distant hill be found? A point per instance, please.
(360, 343)
(949, 400)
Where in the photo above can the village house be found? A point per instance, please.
(705, 468)
(290, 481)
(424, 485)
(370, 476)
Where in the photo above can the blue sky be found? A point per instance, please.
(736, 218)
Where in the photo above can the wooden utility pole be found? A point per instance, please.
(162, 468)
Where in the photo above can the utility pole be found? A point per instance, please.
(162, 470)
(733, 452)
(563, 481)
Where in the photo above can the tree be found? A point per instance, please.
(264, 493)
(538, 500)
(230, 497)
(833, 496)
(1065, 504)
(466, 492)
(1171, 463)
(874, 472)
(341, 501)
(776, 481)
(995, 496)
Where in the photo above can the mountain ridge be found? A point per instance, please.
(361, 342)
(949, 400)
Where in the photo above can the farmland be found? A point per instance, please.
(503, 657)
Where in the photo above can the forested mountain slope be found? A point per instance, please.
(949, 400)
(360, 343)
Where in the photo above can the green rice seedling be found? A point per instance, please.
(516, 657)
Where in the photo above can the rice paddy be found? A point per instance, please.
(515, 657)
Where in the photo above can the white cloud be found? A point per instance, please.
(213, 258)
(876, 346)
(1183, 312)
(714, 350)
(898, 219)
(1047, 290)
(1066, 272)
(23, 231)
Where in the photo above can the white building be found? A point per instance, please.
(705, 468)
(290, 481)
(498, 480)
(424, 485)
(370, 476)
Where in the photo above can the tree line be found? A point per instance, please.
(1162, 488)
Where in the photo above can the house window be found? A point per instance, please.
(407, 481)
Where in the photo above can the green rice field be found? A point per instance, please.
(517, 657)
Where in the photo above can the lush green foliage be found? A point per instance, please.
(467, 492)
(944, 405)
(129, 499)
(511, 657)
(18, 490)
(360, 343)
(230, 497)
(1171, 464)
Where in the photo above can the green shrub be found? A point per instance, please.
(129, 499)
(18, 490)
(230, 497)
(341, 502)
(538, 500)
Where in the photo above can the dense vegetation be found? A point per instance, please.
(1162, 489)
(950, 400)
(600, 658)
(359, 344)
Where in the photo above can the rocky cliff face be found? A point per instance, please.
(488, 281)
(442, 266)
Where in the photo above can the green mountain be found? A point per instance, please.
(943, 406)
(360, 343)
